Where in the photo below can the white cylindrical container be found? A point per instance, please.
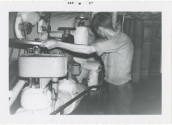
(93, 78)
(81, 38)
(94, 68)
(81, 35)
(35, 98)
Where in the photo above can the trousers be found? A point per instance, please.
(119, 98)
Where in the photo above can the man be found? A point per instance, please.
(116, 51)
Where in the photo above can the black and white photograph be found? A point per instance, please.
(86, 62)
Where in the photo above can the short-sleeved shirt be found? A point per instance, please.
(116, 54)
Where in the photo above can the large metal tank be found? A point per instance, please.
(42, 65)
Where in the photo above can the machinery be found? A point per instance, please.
(67, 36)
(45, 86)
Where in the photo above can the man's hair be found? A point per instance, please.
(103, 19)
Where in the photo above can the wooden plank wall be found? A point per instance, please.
(146, 37)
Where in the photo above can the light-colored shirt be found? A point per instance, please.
(116, 54)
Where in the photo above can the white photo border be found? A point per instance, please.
(164, 7)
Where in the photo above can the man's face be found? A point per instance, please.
(100, 31)
(105, 32)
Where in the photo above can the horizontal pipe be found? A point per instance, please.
(22, 44)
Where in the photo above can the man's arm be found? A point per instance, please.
(112, 45)
(72, 47)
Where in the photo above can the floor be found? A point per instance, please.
(148, 96)
(147, 99)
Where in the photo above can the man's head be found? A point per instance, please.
(105, 24)
(102, 24)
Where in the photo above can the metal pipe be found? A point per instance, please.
(16, 90)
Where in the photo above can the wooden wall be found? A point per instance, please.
(146, 36)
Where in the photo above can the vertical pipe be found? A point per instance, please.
(138, 38)
(132, 29)
(11, 53)
(19, 53)
(146, 49)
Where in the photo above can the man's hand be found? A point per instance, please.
(50, 44)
